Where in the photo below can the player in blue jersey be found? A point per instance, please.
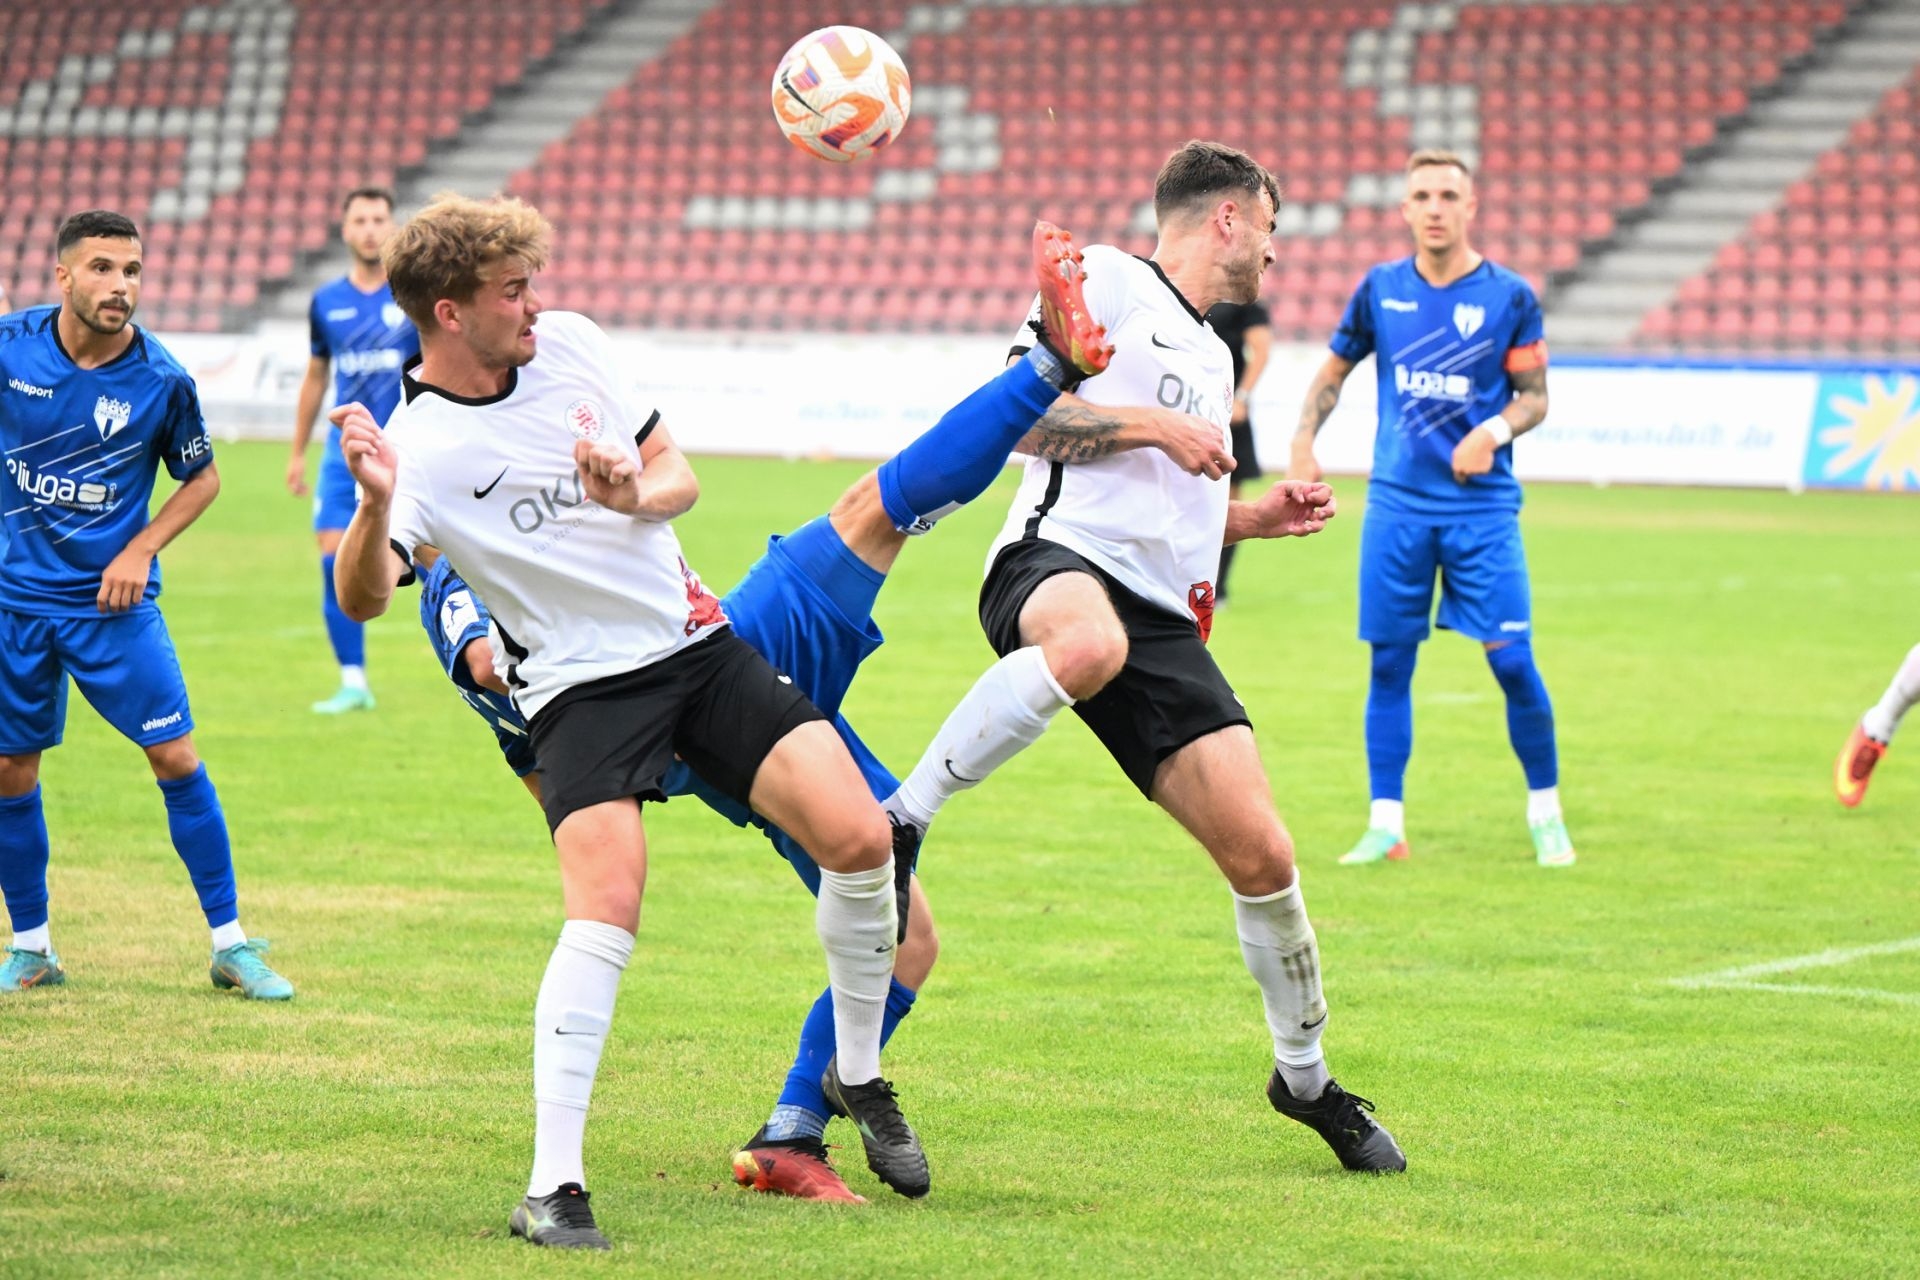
(1462, 371)
(92, 405)
(807, 606)
(362, 336)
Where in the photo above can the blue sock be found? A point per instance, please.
(1529, 713)
(953, 461)
(826, 560)
(23, 859)
(1390, 719)
(199, 831)
(349, 637)
(802, 1109)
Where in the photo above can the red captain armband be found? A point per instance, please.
(1532, 356)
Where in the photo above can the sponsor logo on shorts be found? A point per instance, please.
(28, 389)
(1515, 626)
(162, 722)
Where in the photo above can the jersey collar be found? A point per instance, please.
(411, 387)
(1197, 317)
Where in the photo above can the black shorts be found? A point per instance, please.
(1169, 693)
(1246, 462)
(716, 704)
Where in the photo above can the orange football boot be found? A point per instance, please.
(1854, 767)
(795, 1167)
(1064, 324)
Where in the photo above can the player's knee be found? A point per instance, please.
(1393, 664)
(173, 760)
(1511, 660)
(1086, 657)
(861, 843)
(19, 774)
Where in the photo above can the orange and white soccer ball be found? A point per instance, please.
(841, 93)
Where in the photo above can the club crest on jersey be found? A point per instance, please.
(586, 419)
(1468, 318)
(392, 314)
(111, 415)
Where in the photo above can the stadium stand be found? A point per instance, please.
(1577, 112)
(229, 131)
(1833, 270)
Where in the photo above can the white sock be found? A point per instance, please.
(1543, 805)
(227, 935)
(34, 939)
(354, 678)
(856, 920)
(570, 1021)
(1388, 815)
(1277, 942)
(1007, 709)
(1883, 718)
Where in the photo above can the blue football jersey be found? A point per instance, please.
(453, 616)
(368, 339)
(82, 447)
(1445, 359)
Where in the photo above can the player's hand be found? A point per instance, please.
(373, 461)
(124, 582)
(1473, 456)
(1294, 509)
(1192, 442)
(297, 475)
(1302, 465)
(608, 474)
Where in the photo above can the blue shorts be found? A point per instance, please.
(124, 664)
(335, 495)
(1482, 568)
(796, 626)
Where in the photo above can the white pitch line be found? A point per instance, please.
(1791, 988)
(1818, 960)
(1741, 977)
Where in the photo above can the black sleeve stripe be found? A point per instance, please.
(407, 578)
(1014, 353)
(640, 436)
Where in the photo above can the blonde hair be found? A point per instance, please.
(447, 249)
(1438, 156)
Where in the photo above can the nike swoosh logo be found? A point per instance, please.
(1167, 345)
(481, 493)
(1308, 1026)
(557, 1031)
(956, 775)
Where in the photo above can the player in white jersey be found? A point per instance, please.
(553, 494)
(1099, 596)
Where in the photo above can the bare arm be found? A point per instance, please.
(1322, 395)
(1076, 431)
(665, 490)
(1473, 456)
(479, 659)
(313, 389)
(1290, 509)
(125, 580)
(366, 568)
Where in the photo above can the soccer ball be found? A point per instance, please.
(841, 94)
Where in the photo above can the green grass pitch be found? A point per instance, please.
(1086, 1064)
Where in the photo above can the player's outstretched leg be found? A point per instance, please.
(30, 960)
(954, 461)
(1530, 729)
(1389, 746)
(1872, 736)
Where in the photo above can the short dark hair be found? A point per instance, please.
(88, 223)
(1438, 156)
(366, 193)
(1201, 171)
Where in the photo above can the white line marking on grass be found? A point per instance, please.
(1741, 977)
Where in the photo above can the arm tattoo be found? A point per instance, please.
(1530, 391)
(1314, 414)
(1075, 433)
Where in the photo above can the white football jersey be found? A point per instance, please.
(1135, 514)
(577, 592)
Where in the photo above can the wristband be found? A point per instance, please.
(1499, 428)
